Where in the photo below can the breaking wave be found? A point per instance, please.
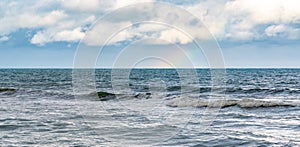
(33, 92)
(233, 90)
(8, 89)
(241, 90)
(243, 103)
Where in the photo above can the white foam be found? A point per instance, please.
(243, 103)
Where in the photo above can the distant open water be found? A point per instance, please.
(38, 108)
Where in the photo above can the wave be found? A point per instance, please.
(34, 93)
(262, 90)
(8, 90)
(238, 90)
(243, 103)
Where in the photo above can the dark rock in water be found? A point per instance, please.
(137, 95)
(7, 90)
(140, 95)
(104, 96)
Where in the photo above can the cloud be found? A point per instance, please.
(282, 31)
(16, 15)
(43, 37)
(275, 30)
(30, 20)
(69, 35)
(47, 25)
(107, 29)
(245, 19)
(4, 38)
(174, 36)
(39, 38)
(162, 34)
(267, 11)
(234, 20)
(97, 5)
(67, 20)
(87, 5)
(211, 13)
(173, 25)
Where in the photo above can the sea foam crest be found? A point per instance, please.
(243, 103)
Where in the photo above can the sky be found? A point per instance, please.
(250, 33)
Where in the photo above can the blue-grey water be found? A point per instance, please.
(260, 107)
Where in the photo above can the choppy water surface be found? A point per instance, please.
(260, 107)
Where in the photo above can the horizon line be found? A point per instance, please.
(151, 68)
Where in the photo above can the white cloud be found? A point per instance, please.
(235, 20)
(4, 38)
(106, 29)
(131, 32)
(256, 12)
(242, 19)
(69, 35)
(40, 38)
(87, 5)
(15, 15)
(150, 29)
(241, 35)
(98, 5)
(174, 36)
(211, 13)
(43, 37)
(275, 30)
(66, 20)
(30, 20)
(282, 31)
(123, 3)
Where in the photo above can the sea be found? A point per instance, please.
(149, 107)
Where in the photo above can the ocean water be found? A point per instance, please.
(152, 107)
